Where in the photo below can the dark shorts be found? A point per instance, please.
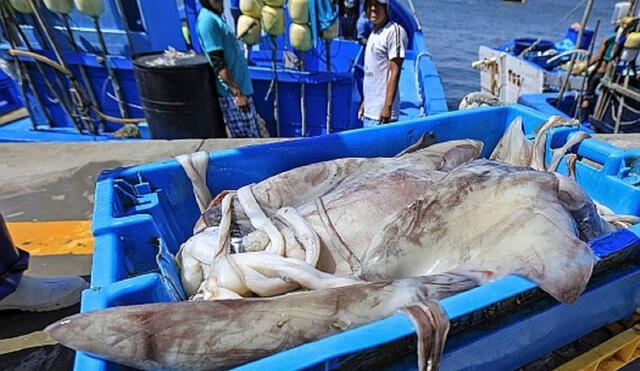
(240, 124)
(13, 262)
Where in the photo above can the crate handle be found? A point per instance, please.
(602, 153)
(624, 164)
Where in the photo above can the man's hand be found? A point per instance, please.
(242, 102)
(361, 111)
(385, 115)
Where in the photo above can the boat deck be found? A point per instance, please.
(21, 130)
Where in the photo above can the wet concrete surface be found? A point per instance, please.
(56, 181)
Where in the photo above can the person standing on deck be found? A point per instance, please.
(348, 14)
(383, 58)
(227, 60)
(33, 294)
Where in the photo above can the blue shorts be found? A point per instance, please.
(367, 122)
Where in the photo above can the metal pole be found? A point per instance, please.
(125, 24)
(276, 99)
(83, 70)
(45, 78)
(62, 97)
(112, 76)
(586, 79)
(303, 113)
(74, 89)
(583, 25)
(605, 96)
(25, 78)
(329, 85)
(618, 118)
(621, 100)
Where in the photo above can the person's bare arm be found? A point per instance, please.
(395, 66)
(598, 56)
(241, 100)
(221, 69)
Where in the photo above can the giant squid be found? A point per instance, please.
(385, 235)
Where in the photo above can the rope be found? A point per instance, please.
(59, 67)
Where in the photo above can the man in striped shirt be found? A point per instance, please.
(383, 58)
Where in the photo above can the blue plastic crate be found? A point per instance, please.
(140, 208)
(9, 95)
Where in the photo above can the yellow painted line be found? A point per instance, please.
(53, 238)
(32, 340)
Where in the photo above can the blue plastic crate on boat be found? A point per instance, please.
(145, 209)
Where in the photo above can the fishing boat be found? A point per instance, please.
(143, 214)
(297, 93)
(531, 72)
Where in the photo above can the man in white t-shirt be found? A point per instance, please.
(383, 59)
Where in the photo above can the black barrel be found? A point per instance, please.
(179, 101)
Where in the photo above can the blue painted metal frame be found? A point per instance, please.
(134, 206)
(151, 29)
(10, 99)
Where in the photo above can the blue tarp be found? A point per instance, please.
(326, 13)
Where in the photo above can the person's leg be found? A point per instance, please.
(36, 294)
(588, 101)
(12, 262)
(258, 126)
(240, 124)
(232, 117)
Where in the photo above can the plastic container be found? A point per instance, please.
(143, 210)
(587, 36)
(179, 101)
(521, 44)
(620, 11)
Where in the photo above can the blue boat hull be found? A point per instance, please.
(420, 88)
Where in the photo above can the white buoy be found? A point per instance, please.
(92, 8)
(272, 20)
(300, 37)
(59, 6)
(248, 30)
(274, 3)
(251, 8)
(22, 6)
(299, 11)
